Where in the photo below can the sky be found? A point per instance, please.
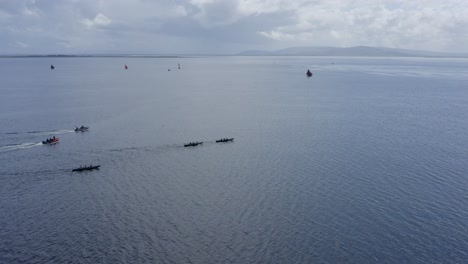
(228, 26)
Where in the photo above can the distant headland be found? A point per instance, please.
(358, 51)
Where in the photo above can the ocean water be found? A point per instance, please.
(365, 162)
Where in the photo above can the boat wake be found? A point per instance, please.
(43, 133)
(53, 132)
(47, 172)
(19, 146)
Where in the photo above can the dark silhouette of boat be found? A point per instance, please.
(52, 67)
(225, 140)
(50, 141)
(87, 168)
(193, 144)
(309, 74)
(126, 67)
(81, 129)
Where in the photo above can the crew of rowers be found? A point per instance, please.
(85, 167)
(224, 139)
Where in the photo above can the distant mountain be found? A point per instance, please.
(359, 51)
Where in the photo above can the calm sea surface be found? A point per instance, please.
(365, 162)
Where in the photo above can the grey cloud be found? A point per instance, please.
(379, 23)
(218, 13)
(72, 26)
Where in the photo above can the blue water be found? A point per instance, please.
(365, 162)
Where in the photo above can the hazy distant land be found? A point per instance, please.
(359, 51)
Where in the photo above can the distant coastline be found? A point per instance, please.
(319, 51)
(358, 51)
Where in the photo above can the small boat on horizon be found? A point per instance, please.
(87, 168)
(126, 67)
(225, 140)
(309, 74)
(52, 67)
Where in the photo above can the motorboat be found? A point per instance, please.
(87, 168)
(50, 141)
(225, 140)
(81, 129)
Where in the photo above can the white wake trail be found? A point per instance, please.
(19, 146)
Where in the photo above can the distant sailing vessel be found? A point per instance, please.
(52, 67)
(178, 65)
(126, 67)
(309, 74)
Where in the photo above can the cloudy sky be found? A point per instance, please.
(228, 26)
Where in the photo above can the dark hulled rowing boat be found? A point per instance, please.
(224, 140)
(87, 168)
(193, 144)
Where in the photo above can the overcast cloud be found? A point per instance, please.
(228, 26)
